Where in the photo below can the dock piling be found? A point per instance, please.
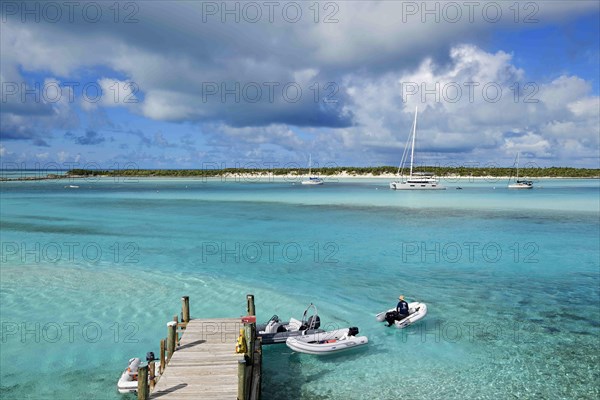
(241, 380)
(171, 338)
(143, 392)
(185, 309)
(152, 373)
(162, 355)
(251, 309)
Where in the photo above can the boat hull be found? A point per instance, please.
(520, 186)
(281, 337)
(312, 182)
(126, 384)
(415, 186)
(331, 342)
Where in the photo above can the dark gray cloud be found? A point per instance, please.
(91, 138)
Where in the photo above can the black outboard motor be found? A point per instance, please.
(352, 331)
(313, 322)
(391, 317)
(150, 356)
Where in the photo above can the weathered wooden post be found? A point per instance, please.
(143, 392)
(171, 338)
(241, 380)
(162, 355)
(152, 373)
(185, 309)
(251, 309)
(251, 328)
(254, 390)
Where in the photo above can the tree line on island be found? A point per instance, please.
(441, 171)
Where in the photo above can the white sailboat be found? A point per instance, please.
(520, 184)
(312, 180)
(415, 180)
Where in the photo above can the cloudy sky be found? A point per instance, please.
(186, 85)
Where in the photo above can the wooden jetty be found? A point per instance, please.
(199, 359)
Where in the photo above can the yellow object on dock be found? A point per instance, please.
(241, 347)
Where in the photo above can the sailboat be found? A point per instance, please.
(312, 180)
(520, 184)
(415, 180)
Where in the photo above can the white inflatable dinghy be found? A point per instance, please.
(416, 311)
(128, 382)
(327, 342)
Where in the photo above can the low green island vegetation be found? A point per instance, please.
(549, 172)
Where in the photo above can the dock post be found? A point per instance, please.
(171, 338)
(241, 380)
(152, 373)
(162, 356)
(143, 392)
(251, 309)
(185, 309)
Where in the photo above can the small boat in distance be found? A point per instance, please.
(520, 184)
(415, 180)
(416, 312)
(312, 180)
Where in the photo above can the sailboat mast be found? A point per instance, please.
(412, 151)
(309, 164)
(518, 154)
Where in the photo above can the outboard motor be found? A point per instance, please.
(352, 331)
(150, 356)
(314, 322)
(391, 317)
(274, 326)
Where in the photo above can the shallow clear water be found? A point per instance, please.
(90, 276)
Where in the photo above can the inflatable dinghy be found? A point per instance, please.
(416, 311)
(128, 382)
(327, 342)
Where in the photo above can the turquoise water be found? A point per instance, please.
(90, 276)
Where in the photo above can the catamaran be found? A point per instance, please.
(415, 180)
(520, 184)
(312, 180)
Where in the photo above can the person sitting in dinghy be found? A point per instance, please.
(399, 314)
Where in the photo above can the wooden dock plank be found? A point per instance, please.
(205, 364)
